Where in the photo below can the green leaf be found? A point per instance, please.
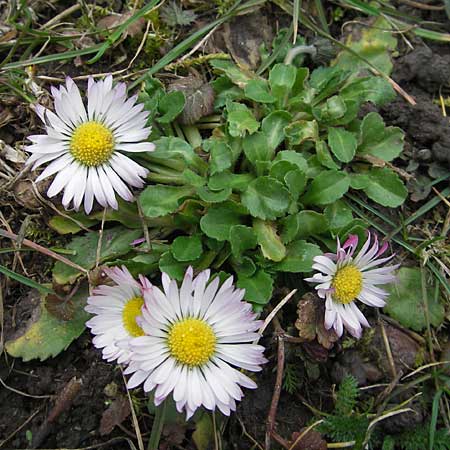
(359, 180)
(385, 187)
(173, 147)
(258, 287)
(213, 196)
(266, 198)
(271, 246)
(380, 141)
(293, 157)
(299, 257)
(225, 180)
(171, 105)
(279, 169)
(159, 200)
(233, 72)
(327, 187)
(302, 130)
(281, 79)
(240, 120)
(46, 335)
(406, 302)
(204, 432)
(186, 248)
(369, 89)
(63, 225)
(303, 224)
(244, 267)
(192, 179)
(242, 238)
(115, 242)
(375, 45)
(175, 269)
(258, 91)
(295, 180)
(273, 127)
(338, 214)
(342, 143)
(324, 156)
(218, 221)
(256, 147)
(221, 156)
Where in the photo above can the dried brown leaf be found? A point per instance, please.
(116, 413)
(199, 98)
(306, 317)
(115, 20)
(312, 440)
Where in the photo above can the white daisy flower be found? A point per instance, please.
(194, 335)
(116, 310)
(342, 279)
(84, 146)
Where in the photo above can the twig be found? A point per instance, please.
(16, 391)
(62, 403)
(388, 350)
(304, 433)
(144, 224)
(249, 436)
(270, 423)
(274, 312)
(43, 250)
(137, 430)
(100, 240)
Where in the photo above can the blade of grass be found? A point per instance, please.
(24, 280)
(434, 417)
(295, 17)
(50, 58)
(322, 15)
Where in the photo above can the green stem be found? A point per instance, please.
(158, 424)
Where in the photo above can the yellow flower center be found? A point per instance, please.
(92, 144)
(347, 284)
(131, 310)
(191, 342)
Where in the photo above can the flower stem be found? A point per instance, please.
(158, 424)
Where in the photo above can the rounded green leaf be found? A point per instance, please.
(266, 198)
(299, 258)
(256, 147)
(327, 187)
(407, 304)
(271, 246)
(258, 91)
(218, 221)
(159, 200)
(273, 127)
(385, 187)
(258, 287)
(213, 196)
(186, 248)
(170, 106)
(240, 120)
(175, 269)
(46, 335)
(242, 238)
(342, 143)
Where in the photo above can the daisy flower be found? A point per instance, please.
(193, 336)
(342, 279)
(116, 309)
(84, 146)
